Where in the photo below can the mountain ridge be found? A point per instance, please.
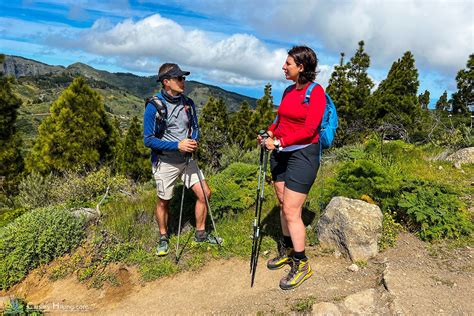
(140, 86)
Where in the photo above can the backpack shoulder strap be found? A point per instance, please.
(160, 106)
(308, 92)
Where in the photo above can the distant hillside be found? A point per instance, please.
(139, 86)
(20, 67)
(39, 85)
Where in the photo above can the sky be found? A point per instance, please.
(242, 45)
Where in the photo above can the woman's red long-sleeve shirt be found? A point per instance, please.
(297, 122)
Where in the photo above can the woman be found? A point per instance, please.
(294, 162)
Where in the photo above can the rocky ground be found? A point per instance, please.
(413, 278)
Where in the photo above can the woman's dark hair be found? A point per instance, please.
(305, 56)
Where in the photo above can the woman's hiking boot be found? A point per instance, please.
(299, 272)
(283, 257)
(163, 246)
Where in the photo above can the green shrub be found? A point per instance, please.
(233, 189)
(18, 306)
(72, 188)
(8, 215)
(434, 211)
(366, 177)
(76, 188)
(35, 191)
(36, 238)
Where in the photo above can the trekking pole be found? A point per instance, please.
(258, 208)
(181, 207)
(208, 207)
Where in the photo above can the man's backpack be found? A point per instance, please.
(161, 115)
(329, 123)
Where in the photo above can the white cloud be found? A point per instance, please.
(238, 58)
(440, 33)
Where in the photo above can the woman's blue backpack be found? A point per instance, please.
(329, 123)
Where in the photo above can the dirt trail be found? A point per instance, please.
(415, 283)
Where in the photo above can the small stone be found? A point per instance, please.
(337, 254)
(325, 309)
(353, 267)
(266, 252)
(440, 168)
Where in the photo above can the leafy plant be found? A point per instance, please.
(36, 238)
(390, 231)
(434, 211)
(18, 306)
(233, 189)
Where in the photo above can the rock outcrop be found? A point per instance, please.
(352, 227)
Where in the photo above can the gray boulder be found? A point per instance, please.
(352, 227)
(463, 156)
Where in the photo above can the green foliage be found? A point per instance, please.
(442, 104)
(434, 210)
(240, 131)
(36, 238)
(303, 305)
(76, 135)
(11, 160)
(8, 215)
(35, 191)
(134, 156)
(465, 84)
(390, 231)
(19, 306)
(213, 124)
(264, 114)
(367, 177)
(395, 101)
(233, 189)
(424, 100)
(71, 188)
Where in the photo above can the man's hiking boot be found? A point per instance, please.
(299, 272)
(163, 247)
(283, 258)
(209, 238)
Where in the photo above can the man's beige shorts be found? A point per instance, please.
(166, 174)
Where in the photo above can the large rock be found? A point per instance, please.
(463, 156)
(352, 227)
(89, 214)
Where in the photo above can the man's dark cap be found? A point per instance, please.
(172, 72)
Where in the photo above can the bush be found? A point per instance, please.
(72, 188)
(434, 211)
(234, 188)
(36, 238)
(35, 191)
(365, 177)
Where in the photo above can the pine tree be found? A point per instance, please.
(339, 89)
(214, 132)
(11, 160)
(395, 101)
(240, 130)
(76, 135)
(264, 113)
(360, 80)
(424, 100)
(464, 97)
(442, 104)
(134, 157)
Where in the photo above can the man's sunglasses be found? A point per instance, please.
(181, 78)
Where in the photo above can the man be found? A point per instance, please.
(171, 131)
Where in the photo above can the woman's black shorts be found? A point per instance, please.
(297, 168)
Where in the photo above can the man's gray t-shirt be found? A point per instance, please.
(177, 129)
